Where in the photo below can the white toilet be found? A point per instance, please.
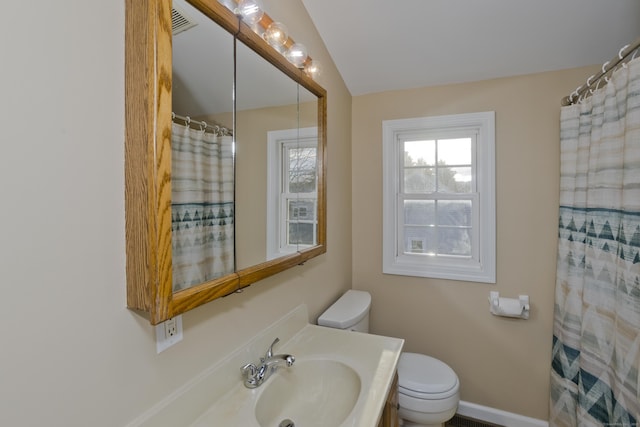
(428, 389)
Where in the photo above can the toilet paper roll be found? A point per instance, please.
(509, 307)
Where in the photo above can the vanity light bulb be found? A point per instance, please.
(297, 54)
(229, 4)
(276, 35)
(313, 69)
(250, 11)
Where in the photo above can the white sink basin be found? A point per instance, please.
(339, 379)
(311, 393)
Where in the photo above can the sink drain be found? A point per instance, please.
(286, 423)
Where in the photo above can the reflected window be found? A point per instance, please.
(439, 197)
(292, 200)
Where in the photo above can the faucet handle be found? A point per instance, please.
(270, 351)
(249, 371)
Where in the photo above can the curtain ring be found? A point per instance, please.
(622, 50)
(203, 126)
(589, 80)
(574, 93)
(605, 66)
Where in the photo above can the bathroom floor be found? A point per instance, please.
(460, 421)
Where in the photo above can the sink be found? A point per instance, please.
(311, 393)
(339, 378)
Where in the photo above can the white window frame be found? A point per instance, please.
(481, 267)
(276, 198)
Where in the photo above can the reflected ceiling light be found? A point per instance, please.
(276, 35)
(250, 10)
(297, 54)
(313, 68)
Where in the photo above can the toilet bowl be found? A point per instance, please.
(428, 389)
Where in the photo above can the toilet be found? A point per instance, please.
(428, 389)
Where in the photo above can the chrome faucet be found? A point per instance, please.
(254, 375)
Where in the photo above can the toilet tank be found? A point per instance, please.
(350, 311)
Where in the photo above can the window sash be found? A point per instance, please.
(399, 256)
(279, 191)
(430, 257)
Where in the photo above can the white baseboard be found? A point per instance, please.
(496, 416)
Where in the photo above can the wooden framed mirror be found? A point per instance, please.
(148, 160)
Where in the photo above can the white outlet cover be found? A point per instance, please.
(163, 341)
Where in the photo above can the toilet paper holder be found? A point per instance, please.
(509, 307)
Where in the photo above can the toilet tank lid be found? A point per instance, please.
(348, 310)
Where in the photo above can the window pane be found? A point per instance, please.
(419, 212)
(302, 182)
(454, 180)
(301, 210)
(419, 153)
(300, 233)
(454, 151)
(419, 180)
(310, 209)
(454, 241)
(420, 240)
(302, 170)
(454, 212)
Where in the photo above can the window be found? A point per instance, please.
(439, 197)
(292, 220)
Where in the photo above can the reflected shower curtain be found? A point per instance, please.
(596, 342)
(202, 206)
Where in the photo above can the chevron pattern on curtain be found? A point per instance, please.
(202, 206)
(596, 342)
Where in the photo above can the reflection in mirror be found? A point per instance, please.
(267, 100)
(292, 183)
(301, 186)
(202, 201)
(205, 227)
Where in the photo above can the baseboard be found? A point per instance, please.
(496, 416)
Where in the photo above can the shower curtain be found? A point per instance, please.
(596, 342)
(202, 206)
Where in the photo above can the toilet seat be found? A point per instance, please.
(424, 377)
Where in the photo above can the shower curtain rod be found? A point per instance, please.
(607, 67)
(217, 129)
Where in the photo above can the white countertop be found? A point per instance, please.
(373, 357)
(219, 398)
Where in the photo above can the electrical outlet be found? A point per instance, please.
(168, 333)
(170, 328)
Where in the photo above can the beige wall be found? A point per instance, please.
(502, 363)
(71, 353)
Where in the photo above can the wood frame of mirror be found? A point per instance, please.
(148, 82)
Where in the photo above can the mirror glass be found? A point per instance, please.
(202, 170)
(268, 103)
(261, 204)
(202, 80)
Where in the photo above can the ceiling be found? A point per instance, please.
(380, 45)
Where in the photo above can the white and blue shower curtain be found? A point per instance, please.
(202, 206)
(596, 342)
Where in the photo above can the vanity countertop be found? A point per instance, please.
(373, 357)
(218, 396)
